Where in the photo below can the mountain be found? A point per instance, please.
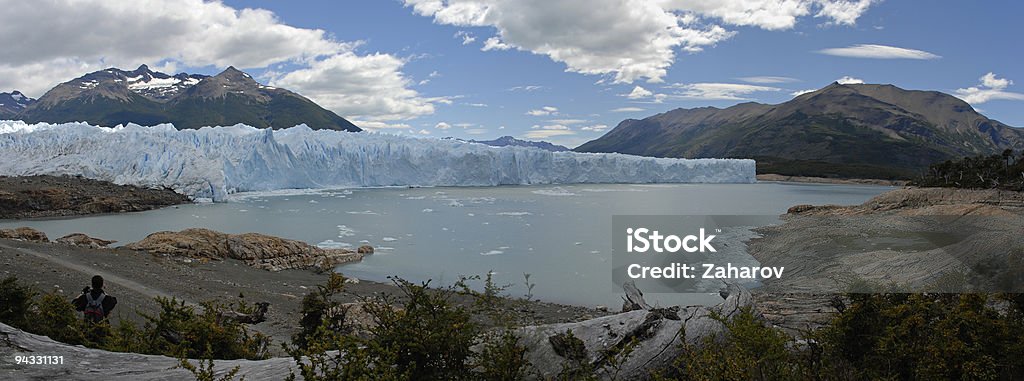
(142, 96)
(13, 103)
(862, 130)
(505, 141)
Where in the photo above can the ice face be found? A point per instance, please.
(215, 162)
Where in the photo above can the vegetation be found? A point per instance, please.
(1003, 171)
(421, 334)
(874, 336)
(178, 330)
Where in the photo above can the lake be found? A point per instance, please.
(561, 235)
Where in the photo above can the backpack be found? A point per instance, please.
(94, 308)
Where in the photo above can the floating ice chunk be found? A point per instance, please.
(556, 191)
(331, 244)
(365, 212)
(514, 213)
(428, 210)
(493, 252)
(389, 239)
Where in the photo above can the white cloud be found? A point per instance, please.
(476, 104)
(526, 88)
(879, 52)
(546, 110)
(369, 87)
(639, 93)
(476, 131)
(802, 92)
(544, 134)
(848, 80)
(168, 34)
(424, 132)
(550, 127)
(717, 91)
(495, 43)
(627, 109)
(761, 80)
(442, 126)
(594, 128)
(989, 88)
(376, 125)
(567, 121)
(627, 39)
(467, 38)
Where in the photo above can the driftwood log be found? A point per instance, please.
(658, 333)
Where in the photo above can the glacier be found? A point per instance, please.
(214, 162)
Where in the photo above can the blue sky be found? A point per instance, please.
(562, 71)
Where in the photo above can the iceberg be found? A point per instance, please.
(213, 162)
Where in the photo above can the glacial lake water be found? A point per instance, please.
(561, 235)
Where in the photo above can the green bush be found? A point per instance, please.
(179, 330)
(15, 302)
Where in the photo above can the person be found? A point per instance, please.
(94, 303)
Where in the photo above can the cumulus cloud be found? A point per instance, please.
(989, 88)
(879, 52)
(442, 126)
(168, 34)
(639, 93)
(848, 80)
(717, 91)
(627, 39)
(467, 38)
(424, 132)
(546, 110)
(370, 87)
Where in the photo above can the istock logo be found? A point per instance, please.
(640, 240)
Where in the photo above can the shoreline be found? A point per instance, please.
(66, 269)
(772, 177)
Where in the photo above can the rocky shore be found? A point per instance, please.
(908, 240)
(257, 250)
(59, 196)
(828, 180)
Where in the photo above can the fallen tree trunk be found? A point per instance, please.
(658, 335)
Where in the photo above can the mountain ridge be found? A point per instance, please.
(506, 140)
(113, 96)
(862, 130)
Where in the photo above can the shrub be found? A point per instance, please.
(15, 302)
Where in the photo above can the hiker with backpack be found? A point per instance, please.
(94, 303)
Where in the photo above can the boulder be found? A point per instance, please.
(257, 250)
(365, 249)
(80, 239)
(24, 234)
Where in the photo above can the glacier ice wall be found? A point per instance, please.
(215, 162)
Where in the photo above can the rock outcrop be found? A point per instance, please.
(57, 196)
(24, 234)
(80, 239)
(257, 250)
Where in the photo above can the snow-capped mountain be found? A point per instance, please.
(12, 103)
(510, 141)
(114, 96)
(214, 162)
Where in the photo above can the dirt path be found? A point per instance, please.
(89, 271)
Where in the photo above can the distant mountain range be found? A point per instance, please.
(114, 96)
(870, 131)
(510, 141)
